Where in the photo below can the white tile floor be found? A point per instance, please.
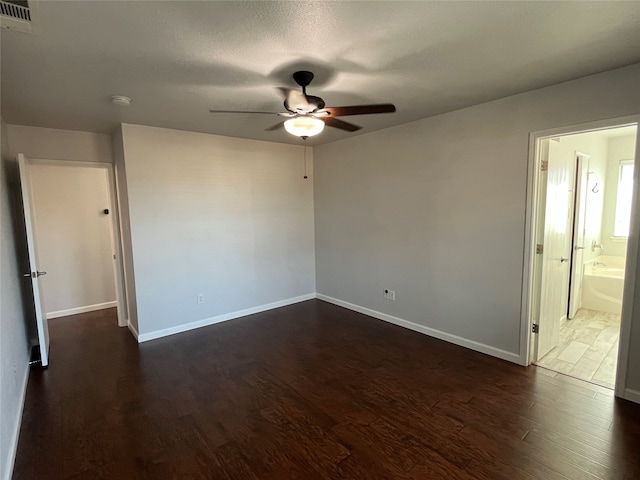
(588, 348)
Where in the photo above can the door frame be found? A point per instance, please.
(118, 271)
(530, 294)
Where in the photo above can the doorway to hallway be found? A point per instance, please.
(73, 242)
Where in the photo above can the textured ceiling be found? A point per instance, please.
(177, 60)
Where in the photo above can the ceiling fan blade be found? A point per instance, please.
(243, 111)
(277, 126)
(360, 110)
(341, 124)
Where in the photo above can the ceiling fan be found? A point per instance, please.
(308, 115)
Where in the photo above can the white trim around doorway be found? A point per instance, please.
(531, 217)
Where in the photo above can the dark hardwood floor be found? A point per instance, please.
(310, 391)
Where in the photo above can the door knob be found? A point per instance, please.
(578, 248)
(563, 259)
(38, 274)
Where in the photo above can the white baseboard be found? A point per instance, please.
(145, 337)
(447, 337)
(631, 395)
(13, 445)
(85, 309)
(133, 330)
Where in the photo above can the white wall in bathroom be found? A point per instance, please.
(593, 144)
(619, 148)
(562, 153)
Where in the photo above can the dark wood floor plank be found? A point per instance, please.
(582, 420)
(565, 461)
(497, 458)
(310, 391)
(581, 455)
(560, 386)
(513, 424)
(596, 409)
(483, 470)
(567, 424)
(590, 447)
(434, 467)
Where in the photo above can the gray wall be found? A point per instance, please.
(435, 209)
(14, 345)
(228, 218)
(55, 144)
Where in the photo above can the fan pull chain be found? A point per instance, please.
(305, 163)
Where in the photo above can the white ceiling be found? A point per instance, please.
(179, 59)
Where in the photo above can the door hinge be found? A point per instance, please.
(539, 249)
(544, 165)
(535, 328)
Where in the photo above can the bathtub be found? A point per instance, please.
(602, 285)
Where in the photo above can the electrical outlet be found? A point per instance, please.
(200, 299)
(390, 294)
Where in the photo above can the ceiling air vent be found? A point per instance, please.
(17, 15)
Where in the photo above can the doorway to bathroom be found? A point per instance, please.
(585, 193)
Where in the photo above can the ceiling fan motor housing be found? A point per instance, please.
(310, 103)
(303, 78)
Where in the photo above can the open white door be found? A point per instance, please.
(556, 247)
(34, 273)
(577, 262)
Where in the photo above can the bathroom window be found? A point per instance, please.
(623, 200)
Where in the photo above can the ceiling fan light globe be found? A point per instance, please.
(304, 126)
